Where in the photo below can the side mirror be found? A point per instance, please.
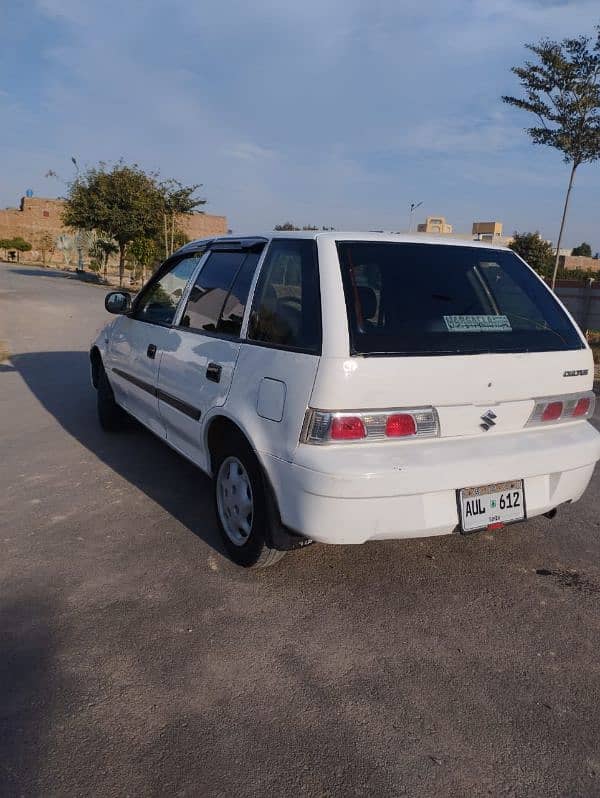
(118, 302)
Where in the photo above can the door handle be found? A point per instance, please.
(151, 351)
(213, 372)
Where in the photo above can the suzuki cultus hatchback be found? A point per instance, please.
(345, 387)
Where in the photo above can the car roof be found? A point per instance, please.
(338, 235)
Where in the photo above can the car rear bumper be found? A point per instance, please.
(351, 494)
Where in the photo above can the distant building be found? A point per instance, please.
(38, 218)
(573, 262)
(487, 231)
(490, 232)
(435, 224)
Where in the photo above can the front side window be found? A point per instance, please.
(439, 299)
(230, 320)
(158, 302)
(286, 311)
(210, 290)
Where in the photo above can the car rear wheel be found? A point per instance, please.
(112, 418)
(241, 506)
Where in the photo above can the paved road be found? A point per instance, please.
(136, 661)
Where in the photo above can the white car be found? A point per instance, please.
(345, 387)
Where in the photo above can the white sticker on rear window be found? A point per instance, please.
(478, 323)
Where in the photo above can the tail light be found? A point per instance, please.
(555, 409)
(324, 426)
(347, 428)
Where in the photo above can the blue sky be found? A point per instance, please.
(336, 112)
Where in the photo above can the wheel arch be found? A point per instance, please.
(217, 428)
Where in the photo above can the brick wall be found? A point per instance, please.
(203, 225)
(38, 217)
(569, 262)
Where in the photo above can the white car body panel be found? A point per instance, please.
(127, 352)
(278, 439)
(182, 375)
(342, 493)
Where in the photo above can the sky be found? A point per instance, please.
(326, 112)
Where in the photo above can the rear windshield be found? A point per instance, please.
(426, 299)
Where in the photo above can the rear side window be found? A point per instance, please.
(439, 299)
(286, 311)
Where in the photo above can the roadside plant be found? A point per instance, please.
(46, 246)
(533, 249)
(19, 245)
(583, 249)
(102, 249)
(144, 252)
(178, 200)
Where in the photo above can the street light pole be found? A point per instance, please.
(413, 206)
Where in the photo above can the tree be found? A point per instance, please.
(583, 249)
(20, 245)
(122, 202)
(46, 245)
(291, 226)
(145, 253)
(562, 89)
(5, 244)
(178, 201)
(533, 249)
(102, 249)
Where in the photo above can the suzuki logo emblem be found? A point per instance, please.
(489, 420)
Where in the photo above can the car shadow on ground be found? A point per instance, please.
(39, 272)
(29, 685)
(60, 381)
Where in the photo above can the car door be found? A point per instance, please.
(278, 363)
(197, 366)
(139, 339)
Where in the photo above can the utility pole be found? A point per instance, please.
(413, 206)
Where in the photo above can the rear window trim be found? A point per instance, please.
(351, 322)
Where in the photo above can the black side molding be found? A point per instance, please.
(163, 396)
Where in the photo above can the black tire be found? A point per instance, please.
(112, 417)
(255, 552)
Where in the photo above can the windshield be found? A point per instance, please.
(426, 299)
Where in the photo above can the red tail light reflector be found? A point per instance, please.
(369, 426)
(552, 411)
(400, 425)
(559, 409)
(347, 428)
(582, 407)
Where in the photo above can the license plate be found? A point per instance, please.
(500, 503)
